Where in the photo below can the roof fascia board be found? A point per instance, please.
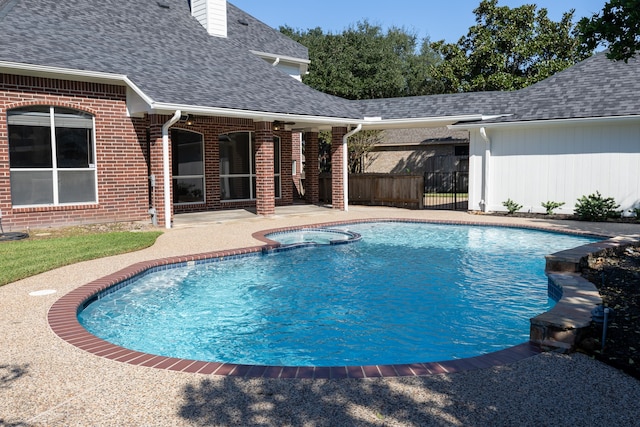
(72, 74)
(164, 108)
(549, 122)
(379, 123)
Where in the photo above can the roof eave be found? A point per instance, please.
(44, 71)
(545, 122)
(378, 123)
(265, 116)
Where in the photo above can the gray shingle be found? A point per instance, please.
(165, 52)
(258, 36)
(437, 135)
(172, 59)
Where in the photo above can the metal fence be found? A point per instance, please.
(446, 190)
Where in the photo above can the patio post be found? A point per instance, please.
(311, 168)
(337, 164)
(265, 185)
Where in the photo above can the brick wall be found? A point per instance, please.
(120, 152)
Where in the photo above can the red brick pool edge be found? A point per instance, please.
(63, 320)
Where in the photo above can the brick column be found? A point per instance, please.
(311, 168)
(286, 179)
(265, 191)
(337, 163)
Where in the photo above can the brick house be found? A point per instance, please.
(139, 110)
(134, 110)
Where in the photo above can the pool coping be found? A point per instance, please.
(63, 321)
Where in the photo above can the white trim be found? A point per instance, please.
(78, 75)
(546, 123)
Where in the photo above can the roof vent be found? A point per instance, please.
(163, 5)
(243, 22)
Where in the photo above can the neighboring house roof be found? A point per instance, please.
(424, 136)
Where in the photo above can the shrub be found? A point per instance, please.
(594, 207)
(511, 206)
(551, 206)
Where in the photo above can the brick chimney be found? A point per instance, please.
(212, 14)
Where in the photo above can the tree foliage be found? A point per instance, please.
(507, 49)
(617, 26)
(360, 144)
(364, 62)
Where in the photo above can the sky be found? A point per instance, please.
(436, 19)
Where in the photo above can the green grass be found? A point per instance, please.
(26, 258)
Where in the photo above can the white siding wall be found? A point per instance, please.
(559, 163)
(212, 14)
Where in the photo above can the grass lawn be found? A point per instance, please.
(24, 258)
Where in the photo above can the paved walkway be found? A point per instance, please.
(46, 382)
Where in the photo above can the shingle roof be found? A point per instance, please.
(173, 60)
(437, 135)
(595, 87)
(490, 103)
(258, 36)
(165, 52)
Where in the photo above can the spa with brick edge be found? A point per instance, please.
(63, 320)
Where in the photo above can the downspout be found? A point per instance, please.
(484, 203)
(165, 167)
(345, 166)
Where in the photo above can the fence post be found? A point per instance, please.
(455, 191)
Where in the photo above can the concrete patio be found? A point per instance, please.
(44, 381)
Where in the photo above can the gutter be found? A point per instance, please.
(77, 75)
(165, 167)
(345, 166)
(547, 122)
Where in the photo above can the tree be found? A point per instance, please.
(617, 26)
(507, 49)
(364, 62)
(360, 144)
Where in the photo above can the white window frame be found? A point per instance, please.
(54, 163)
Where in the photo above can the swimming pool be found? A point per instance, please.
(433, 292)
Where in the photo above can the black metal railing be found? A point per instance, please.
(446, 190)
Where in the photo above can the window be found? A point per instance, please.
(51, 156)
(188, 166)
(238, 168)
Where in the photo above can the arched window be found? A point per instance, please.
(51, 156)
(188, 166)
(238, 166)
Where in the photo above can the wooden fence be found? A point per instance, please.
(380, 189)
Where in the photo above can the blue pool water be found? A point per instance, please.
(404, 293)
